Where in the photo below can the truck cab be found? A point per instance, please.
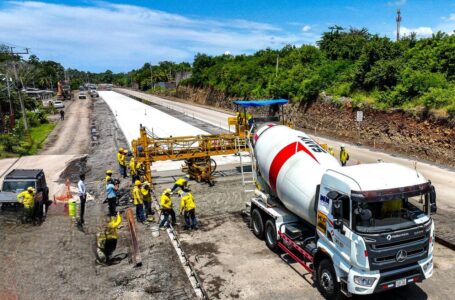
(19, 180)
(374, 224)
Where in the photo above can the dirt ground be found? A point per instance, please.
(71, 136)
(57, 260)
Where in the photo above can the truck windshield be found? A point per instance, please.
(395, 214)
(17, 186)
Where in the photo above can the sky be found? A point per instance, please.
(123, 35)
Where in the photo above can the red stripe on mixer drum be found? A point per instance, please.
(282, 157)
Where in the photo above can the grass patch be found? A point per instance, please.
(6, 154)
(39, 135)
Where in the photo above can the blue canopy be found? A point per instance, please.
(254, 103)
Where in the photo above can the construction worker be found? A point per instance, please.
(344, 156)
(27, 198)
(188, 207)
(140, 170)
(138, 202)
(121, 162)
(82, 192)
(181, 183)
(166, 209)
(107, 238)
(134, 169)
(111, 197)
(331, 152)
(108, 175)
(147, 198)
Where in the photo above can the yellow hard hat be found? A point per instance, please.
(137, 182)
(120, 149)
(167, 191)
(109, 172)
(30, 189)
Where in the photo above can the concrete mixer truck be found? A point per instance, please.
(358, 229)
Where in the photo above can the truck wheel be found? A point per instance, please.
(271, 236)
(257, 224)
(327, 282)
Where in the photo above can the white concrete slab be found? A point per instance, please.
(216, 118)
(131, 113)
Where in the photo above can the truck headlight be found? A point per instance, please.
(364, 280)
(428, 266)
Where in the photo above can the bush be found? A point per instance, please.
(438, 97)
(342, 89)
(9, 142)
(451, 110)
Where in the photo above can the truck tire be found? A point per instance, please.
(327, 282)
(271, 236)
(257, 224)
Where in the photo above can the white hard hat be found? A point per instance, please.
(342, 146)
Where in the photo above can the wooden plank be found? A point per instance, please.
(136, 255)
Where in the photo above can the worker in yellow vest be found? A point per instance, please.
(133, 170)
(188, 208)
(167, 209)
(147, 198)
(331, 152)
(181, 183)
(108, 176)
(27, 198)
(138, 202)
(344, 156)
(107, 238)
(122, 162)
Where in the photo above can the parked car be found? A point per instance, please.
(82, 95)
(59, 104)
(94, 94)
(19, 180)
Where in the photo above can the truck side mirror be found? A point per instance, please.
(337, 212)
(433, 207)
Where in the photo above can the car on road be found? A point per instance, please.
(58, 104)
(94, 94)
(19, 180)
(82, 95)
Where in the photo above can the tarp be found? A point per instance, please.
(253, 103)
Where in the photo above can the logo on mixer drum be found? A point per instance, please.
(401, 256)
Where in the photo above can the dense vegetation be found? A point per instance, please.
(354, 63)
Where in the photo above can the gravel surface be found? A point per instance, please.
(57, 261)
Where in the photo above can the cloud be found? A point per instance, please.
(421, 32)
(121, 37)
(306, 28)
(396, 3)
(447, 25)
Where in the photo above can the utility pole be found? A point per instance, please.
(277, 64)
(24, 116)
(398, 19)
(151, 76)
(12, 122)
